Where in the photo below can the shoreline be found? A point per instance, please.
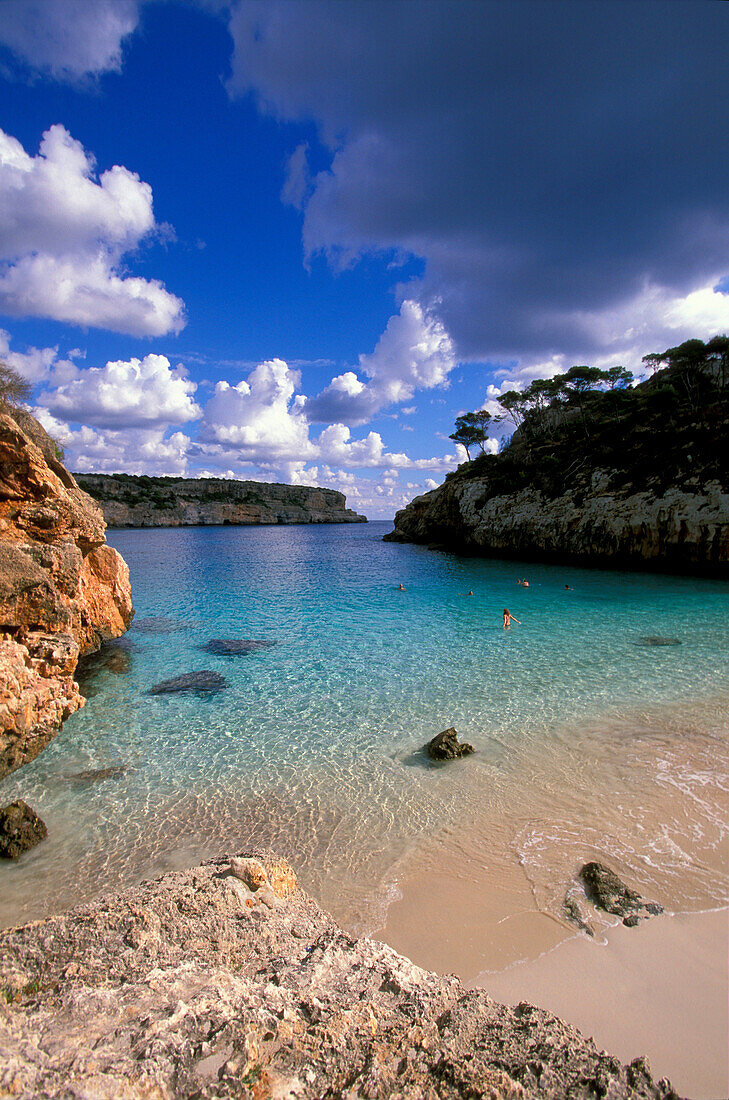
(658, 990)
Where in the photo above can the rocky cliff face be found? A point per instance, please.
(129, 501)
(62, 589)
(228, 981)
(682, 529)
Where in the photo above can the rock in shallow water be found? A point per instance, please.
(446, 746)
(96, 775)
(205, 680)
(657, 640)
(608, 892)
(20, 830)
(158, 624)
(236, 647)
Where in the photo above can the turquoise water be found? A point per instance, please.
(311, 747)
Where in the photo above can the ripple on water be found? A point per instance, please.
(586, 745)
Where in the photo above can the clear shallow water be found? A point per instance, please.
(589, 741)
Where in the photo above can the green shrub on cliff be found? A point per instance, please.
(672, 428)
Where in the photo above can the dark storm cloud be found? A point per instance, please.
(543, 157)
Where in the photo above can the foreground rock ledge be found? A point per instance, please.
(196, 985)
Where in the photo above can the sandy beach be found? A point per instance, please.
(659, 989)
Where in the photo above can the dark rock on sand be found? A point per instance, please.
(227, 980)
(205, 680)
(235, 647)
(446, 746)
(657, 640)
(573, 912)
(608, 892)
(20, 830)
(96, 775)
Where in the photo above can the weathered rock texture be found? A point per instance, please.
(20, 829)
(682, 530)
(63, 591)
(446, 746)
(129, 501)
(228, 981)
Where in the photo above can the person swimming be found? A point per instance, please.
(509, 619)
(401, 588)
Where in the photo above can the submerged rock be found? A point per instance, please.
(205, 680)
(193, 986)
(446, 746)
(608, 892)
(20, 830)
(236, 647)
(158, 624)
(656, 639)
(96, 775)
(573, 912)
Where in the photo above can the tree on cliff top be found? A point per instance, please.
(13, 387)
(471, 430)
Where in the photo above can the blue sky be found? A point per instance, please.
(294, 240)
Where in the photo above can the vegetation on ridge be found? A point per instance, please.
(671, 429)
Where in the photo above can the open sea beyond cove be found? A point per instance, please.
(600, 725)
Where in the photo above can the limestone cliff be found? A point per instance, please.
(62, 589)
(681, 529)
(228, 981)
(129, 501)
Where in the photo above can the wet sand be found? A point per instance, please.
(659, 989)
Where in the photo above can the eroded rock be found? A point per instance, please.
(446, 746)
(189, 986)
(608, 892)
(20, 829)
(63, 591)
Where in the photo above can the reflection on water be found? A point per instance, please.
(596, 734)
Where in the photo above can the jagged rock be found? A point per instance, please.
(62, 590)
(446, 746)
(20, 829)
(679, 530)
(193, 987)
(573, 912)
(130, 501)
(235, 647)
(607, 891)
(205, 680)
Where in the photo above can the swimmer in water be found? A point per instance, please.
(509, 619)
(401, 588)
(470, 593)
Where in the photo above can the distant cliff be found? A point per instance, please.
(635, 479)
(63, 591)
(130, 501)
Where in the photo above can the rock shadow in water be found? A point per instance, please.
(158, 624)
(657, 640)
(96, 775)
(203, 681)
(235, 647)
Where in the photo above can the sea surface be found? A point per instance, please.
(600, 724)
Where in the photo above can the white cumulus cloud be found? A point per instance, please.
(413, 353)
(125, 394)
(63, 234)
